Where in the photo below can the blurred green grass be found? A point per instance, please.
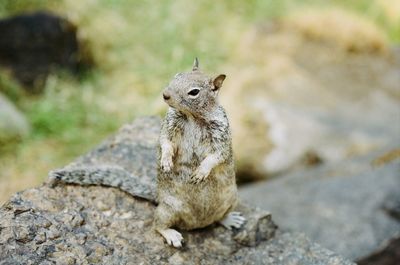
(137, 46)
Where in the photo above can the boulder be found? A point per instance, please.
(32, 45)
(13, 124)
(91, 224)
(301, 97)
(388, 255)
(349, 207)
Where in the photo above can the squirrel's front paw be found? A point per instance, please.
(166, 164)
(199, 175)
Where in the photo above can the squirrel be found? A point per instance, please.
(196, 184)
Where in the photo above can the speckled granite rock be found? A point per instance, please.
(76, 224)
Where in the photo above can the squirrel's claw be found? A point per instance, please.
(233, 220)
(173, 237)
(198, 177)
(166, 164)
(194, 180)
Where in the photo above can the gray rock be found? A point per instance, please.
(388, 255)
(13, 124)
(347, 207)
(92, 224)
(294, 96)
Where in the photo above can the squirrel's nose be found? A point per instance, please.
(166, 96)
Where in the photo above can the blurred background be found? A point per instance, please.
(310, 83)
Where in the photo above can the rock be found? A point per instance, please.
(392, 205)
(296, 97)
(348, 207)
(32, 45)
(75, 224)
(389, 255)
(13, 124)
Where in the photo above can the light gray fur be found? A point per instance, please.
(196, 177)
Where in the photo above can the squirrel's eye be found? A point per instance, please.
(194, 92)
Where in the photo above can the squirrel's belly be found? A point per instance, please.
(204, 203)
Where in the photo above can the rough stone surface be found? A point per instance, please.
(348, 207)
(31, 45)
(75, 224)
(13, 123)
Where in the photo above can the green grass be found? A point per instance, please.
(137, 46)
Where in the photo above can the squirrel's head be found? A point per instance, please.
(193, 92)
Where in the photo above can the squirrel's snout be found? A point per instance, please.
(166, 96)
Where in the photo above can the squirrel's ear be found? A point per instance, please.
(195, 64)
(217, 82)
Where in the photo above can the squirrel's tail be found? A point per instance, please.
(113, 176)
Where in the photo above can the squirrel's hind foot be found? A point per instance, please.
(173, 237)
(233, 219)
